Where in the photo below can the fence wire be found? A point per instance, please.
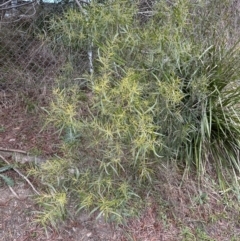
(29, 59)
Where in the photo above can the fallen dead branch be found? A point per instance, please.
(13, 150)
(20, 174)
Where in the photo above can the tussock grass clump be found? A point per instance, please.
(162, 89)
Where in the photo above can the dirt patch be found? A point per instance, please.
(172, 214)
(17, 221)
(16, 214)
(21, 125)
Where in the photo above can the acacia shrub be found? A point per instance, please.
(159, 91)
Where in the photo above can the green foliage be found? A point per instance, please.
(63, 110)
(161, 89)
(197, 235)
(54, 205)
(5, 178)
(2, 128)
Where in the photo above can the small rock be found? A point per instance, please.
(89, 235)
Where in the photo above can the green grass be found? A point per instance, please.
(197, 235)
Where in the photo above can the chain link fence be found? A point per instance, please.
(30, 61)
(27, 58)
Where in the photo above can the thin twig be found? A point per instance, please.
(12, 150)
(20, 174)
(14, 193)
(1, 5)
(29, 16)
(79, 4)
(16, 6)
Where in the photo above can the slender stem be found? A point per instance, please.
(12, 150)
(90, 52)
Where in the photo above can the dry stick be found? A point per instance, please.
(12, 150)
(1, 5)
(79, 4)
(14, 193)
(17, 6)
(20, 174)
(22, 16)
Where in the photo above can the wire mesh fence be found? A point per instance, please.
(25, 58)
(30, 61)
(28, 57)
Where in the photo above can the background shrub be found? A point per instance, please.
(162, 89)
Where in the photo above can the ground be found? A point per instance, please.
(180, 210)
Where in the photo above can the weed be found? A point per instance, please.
(201, 199)
(198, 235)
(35, 151)
(54, 208)
(5, 178)
(2, 128)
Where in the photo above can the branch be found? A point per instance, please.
(20, 174)
(12, 150)
(17, 6)
(30, 15)
(78, 2)
(1, 5)
(14, 193)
